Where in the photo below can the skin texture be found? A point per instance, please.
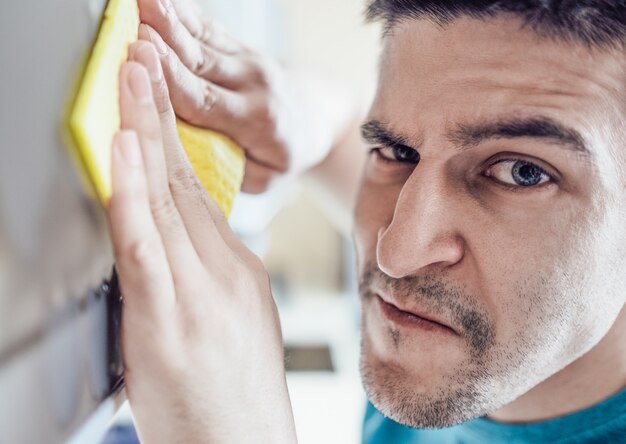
(221, 84)
(198, 312)
(528, 281)
(201, 337)
(529, 277)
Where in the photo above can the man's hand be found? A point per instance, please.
(201, 337)
(218, 83)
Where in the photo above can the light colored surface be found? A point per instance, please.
(303, 254)
(51, 388)
(96, 426)
(330, 37)
(55, 241)
(328, 407)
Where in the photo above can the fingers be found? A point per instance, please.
(197, 100)
(140, 257)
(205, 224)
(196, 22)
(257, 177)
(145, 54)
(200, 58)
(205, 29)
(138, 113)
(230, 72)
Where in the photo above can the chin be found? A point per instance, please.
(421, 394)
(400, 397)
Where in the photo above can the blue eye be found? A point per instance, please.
(519, 173)
(526, 174)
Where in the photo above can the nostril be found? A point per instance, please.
(405, 247)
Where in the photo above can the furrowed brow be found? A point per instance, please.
(468, 136)
(375, 132)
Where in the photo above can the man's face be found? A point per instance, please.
(507, 230)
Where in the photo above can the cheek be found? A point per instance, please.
(524, 278)
(560, 299)
(596, 282)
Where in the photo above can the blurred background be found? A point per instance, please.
(57, 367)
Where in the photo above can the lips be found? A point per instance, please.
(411, 316)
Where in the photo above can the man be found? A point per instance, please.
(489, 227)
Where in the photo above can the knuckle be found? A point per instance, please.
(208, 101)
(183, 178)
(264, 115)
(205, 62)
(200, 63)
(163, 207)
(141, 253)
(260, 78)
(258, 74)
(209, 98)
(207, 30)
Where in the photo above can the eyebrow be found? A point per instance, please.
(376, 132)
(470, 135)
(544, 128)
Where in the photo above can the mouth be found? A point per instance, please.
(413, 319)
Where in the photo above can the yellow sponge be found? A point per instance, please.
(95, 117)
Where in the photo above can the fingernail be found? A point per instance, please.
(157, 41)
(139, 84)
(128, 146)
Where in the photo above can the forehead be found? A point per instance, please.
(485, 68)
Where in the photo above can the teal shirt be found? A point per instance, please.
(603, 423)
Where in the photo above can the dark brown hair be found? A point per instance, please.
(596, 23)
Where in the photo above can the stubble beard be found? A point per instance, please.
(463, 392)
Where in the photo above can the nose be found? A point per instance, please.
(424, 229)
